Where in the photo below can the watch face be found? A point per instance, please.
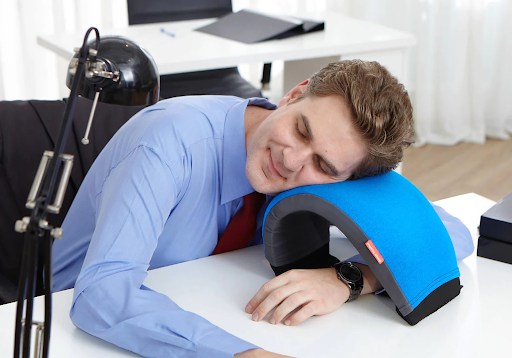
(350, 273)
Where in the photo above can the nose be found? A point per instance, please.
(295, 158)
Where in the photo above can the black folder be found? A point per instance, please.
(249, 27)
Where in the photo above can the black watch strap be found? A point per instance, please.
(352, 276)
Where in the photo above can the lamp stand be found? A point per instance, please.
(54, 165)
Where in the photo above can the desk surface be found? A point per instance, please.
(194, 51)
(474, 324)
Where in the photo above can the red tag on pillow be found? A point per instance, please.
(369, 244)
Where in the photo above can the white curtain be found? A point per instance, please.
(29, 71)
(460, 70)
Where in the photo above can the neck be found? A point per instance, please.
(253, 117)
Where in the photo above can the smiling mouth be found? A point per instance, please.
(271, 166)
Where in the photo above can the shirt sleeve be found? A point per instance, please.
(110, 301)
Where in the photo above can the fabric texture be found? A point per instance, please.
(175, 174)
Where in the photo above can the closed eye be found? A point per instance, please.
(322, 164)
(320, 167)
(299, 132)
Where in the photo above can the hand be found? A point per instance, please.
(312, 292)
(258, 353)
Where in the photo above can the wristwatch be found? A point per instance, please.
(352, 276)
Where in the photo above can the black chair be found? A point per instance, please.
(27, 129)
(225, 81)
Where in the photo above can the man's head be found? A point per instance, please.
(350, 120)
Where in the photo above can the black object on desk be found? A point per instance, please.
(495, 241)
(251, 27)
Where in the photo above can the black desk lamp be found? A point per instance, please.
(113, 70)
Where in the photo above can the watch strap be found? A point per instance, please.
(356, 287)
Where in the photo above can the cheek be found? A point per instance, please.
(311, 176)
(280, 132)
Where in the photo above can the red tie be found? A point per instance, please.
(242, 228)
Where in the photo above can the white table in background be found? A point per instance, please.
(474, 324)
(189, 50)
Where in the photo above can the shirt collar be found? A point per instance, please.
(234, 181)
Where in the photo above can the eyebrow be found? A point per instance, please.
(335, 172)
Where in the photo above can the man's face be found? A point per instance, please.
(311, 141)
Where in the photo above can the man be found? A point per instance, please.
(168, 183)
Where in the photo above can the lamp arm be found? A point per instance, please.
(37, 226)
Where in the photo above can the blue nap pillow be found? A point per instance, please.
(387, 219)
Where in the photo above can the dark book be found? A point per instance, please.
(250, 27)
(496, 223)
(494, 249)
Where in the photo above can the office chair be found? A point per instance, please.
(225, 81)
(27, 129)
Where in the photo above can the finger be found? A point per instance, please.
(274, 299)
(267, 288)
(291, 303)
(307, 311)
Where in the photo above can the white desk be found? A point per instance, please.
(194, 51)
(475, 324)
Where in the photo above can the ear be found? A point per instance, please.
(294, 93)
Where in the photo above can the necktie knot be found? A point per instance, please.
(242, 227)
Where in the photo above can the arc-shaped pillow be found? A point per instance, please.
(388, 220)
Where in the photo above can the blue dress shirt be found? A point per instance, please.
(147, 202)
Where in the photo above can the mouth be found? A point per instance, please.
(271, 166)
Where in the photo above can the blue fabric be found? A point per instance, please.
(146, 203)
(401, 223)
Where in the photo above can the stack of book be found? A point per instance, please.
(495, 241)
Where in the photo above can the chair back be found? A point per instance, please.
(150, 11)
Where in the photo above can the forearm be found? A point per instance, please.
(370, 282)
(116, 310)
(459, 233)
(258, 353)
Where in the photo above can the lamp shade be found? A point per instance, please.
(387, 219)
(138, 81)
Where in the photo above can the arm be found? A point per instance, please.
(459, 233)
(110, 301)
(259, 353)
(320, 292)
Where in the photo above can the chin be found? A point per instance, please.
(259, 181)
(267, 188)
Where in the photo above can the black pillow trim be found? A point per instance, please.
(434, 301)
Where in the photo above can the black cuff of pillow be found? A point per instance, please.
(317, 259)
(434, 301)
